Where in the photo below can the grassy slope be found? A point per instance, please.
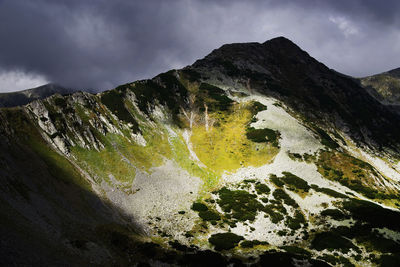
(225, 147)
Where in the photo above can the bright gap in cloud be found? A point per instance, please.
(17, 80)
(344, 25)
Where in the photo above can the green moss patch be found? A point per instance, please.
(275, 212)
(281, 195)
(263, 136)
(209, 215)
(334, 214)
(372, 214)
(294, 182)
(197, 206)
(275, 180)
(296, 250)
(224, 241)
(262, 189)
(328, 191)
(205, 213)
(252, 243)
(296, 222)
(241, 204)
(331, 241)
(326, 140)
(215, 98)
(257, 107)
(295, 156)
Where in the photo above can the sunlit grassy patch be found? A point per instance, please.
(181, 155)
(353, 173)
(225, 147)
(120, 157)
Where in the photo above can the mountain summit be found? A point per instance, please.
(257, 154)
(279, 68)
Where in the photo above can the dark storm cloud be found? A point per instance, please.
(86, 44)
(101, 44)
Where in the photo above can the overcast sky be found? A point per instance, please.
(100, 44)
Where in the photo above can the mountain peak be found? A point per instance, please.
(281, 69)
(282, 43)
(279, 50)
(280, 40)
(270, 46)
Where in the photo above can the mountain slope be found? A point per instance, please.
(235, 159)
(24, 97)
(281, 69)
(384, 86)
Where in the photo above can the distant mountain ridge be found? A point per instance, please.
(24, 97)
(384, 86)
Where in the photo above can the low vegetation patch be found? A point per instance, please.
(328, 191)
(262, 189)
(326, 140)
(334, 214)
(257, 107)
(275, 180)
(214, 96)
(263, 136)
(331, 241)
(296, 250)
(296, 222)
(372, 214)
(224, 146)
(295, 156)
(294, 182)
(197, 206)
(252, 243)
(281, 195)
(274, 213)
(225, 241)
(240, 204)
(354, 174)
(209, 215)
